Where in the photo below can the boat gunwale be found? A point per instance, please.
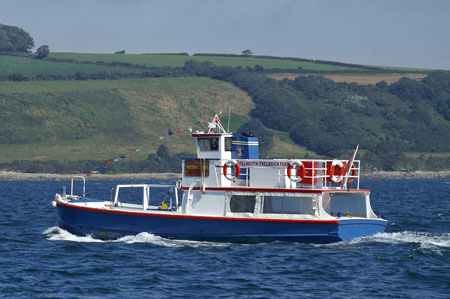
(199, 217)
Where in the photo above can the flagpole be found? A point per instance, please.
(349, 164)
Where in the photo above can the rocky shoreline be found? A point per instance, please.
(18, 176)
(406, 175)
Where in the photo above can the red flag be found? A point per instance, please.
(178, 131)
(130, 153)
(88, 174)
(109, 163)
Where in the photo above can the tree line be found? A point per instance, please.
(16, 40)
(388, 120)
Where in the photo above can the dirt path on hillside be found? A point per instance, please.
(366, 80)
(362, 79)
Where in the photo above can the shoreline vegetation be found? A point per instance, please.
(19, 176)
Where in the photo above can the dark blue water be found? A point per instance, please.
(410, 260)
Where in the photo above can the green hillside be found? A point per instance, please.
(172, 60)
(74, 120)
(31, 67)
(400, 123)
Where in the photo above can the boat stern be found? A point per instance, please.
(349, 229)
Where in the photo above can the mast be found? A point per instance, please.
(215, 126)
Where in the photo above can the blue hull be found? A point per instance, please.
(111, 225)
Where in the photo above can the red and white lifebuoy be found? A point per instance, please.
(235, 168)
(299, 171)
(337, 171)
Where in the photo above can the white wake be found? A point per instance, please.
(423, 238)
(58, 234)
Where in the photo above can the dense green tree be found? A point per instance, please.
(42, 52)
(407, 90)
(314, 87)
(14, 39)
(247, 52)
(5, 44)
(258, 68)
(163, 152)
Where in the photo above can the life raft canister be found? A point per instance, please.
(299, 168)
(235, 167)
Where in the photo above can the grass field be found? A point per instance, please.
(31, 67)
(161, 60)
(358, 79)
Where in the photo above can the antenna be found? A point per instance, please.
(215, 125)
(229, 114)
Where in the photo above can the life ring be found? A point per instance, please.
(233, 164)
(299, 171)
(337, 178)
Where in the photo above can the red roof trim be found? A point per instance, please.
(193, 217)
(247, 189)
(206, 135)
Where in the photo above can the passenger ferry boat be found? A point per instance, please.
(227, 193)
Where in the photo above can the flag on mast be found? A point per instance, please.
(349, 164)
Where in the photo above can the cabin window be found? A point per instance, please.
(242, 203)
(208, 144)
(196, 168)
(228, 142)
(348, 204)
(287, 205)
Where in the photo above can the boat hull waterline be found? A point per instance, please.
(113, 224)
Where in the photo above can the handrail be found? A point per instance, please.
(184, 207)
(146, 192)
(317, 172)
(84, 185)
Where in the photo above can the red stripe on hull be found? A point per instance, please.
(194, 217)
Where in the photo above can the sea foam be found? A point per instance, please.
(422, 238)
(58, 234)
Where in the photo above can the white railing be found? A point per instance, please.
(272, 173)
(316, 175)
(146, 193)
(84, 185)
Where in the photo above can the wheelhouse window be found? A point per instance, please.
(242, 203)
(208, 144)
(228, 143)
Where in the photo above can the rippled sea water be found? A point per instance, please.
(410, 260)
